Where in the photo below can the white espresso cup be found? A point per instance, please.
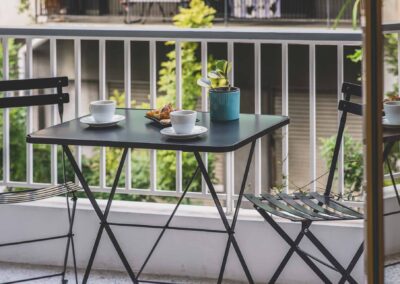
(392, 111)
(102, 111)
(183, 121)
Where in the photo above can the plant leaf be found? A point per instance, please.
(204, 82)
(341, 13)
(228, 67)
(356, 7)
(220, 65)
(215, 75)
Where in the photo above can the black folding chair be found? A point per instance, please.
(311, 207)
(66, 188)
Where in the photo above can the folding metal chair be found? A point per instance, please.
(66, 188)
(312, 207)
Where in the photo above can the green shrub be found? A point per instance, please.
(353, 162)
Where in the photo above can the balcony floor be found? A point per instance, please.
(14, 271)
(392, 272)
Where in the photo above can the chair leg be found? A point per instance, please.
(330, 257)
(288, 256)
(353, 263)
(74, 199)
(71, 218)
(293, 245)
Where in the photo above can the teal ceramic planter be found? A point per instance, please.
(224, 104)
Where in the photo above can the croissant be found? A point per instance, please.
(162, 113)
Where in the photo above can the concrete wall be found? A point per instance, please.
(9, 13)
(391, 11)
(180, 253)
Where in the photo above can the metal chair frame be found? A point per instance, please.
(67, 188)
(312, 207)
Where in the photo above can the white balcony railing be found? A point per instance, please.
(255, 36)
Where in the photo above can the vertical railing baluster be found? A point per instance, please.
(230, 156)
(312, 118)
(340, 78)
(6, 116)
(178, 80)
(153, 101)
(257, 110)
(204, 102)
(398, 60)
(102, 92)
(78, 97)
(29, 115)
(285, 111)
(53, 73)
(127, 82)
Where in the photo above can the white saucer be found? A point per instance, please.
(89, 120)
(387, 124)
(197, 131)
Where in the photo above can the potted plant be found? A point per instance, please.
(224, 98)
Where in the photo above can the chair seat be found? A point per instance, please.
(37, 194)
(300, 207)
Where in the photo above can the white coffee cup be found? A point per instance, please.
(183, 121)
(392, 111)
(102, 111)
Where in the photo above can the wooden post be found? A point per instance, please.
(373, 97)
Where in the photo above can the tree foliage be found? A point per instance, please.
(353, 162)
(198, 15)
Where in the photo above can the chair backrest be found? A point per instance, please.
(345, 106)
(35, 84)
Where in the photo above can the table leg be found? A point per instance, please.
(106, 212)
(229, 229)
(167, 223)
(387, 149)
(102, 217)
(386, 152)
(237, 208)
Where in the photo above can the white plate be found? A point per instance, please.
(387, 124)
(197, 131)
(89, 120)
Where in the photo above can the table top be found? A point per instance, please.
(136, 131)
(391, 135)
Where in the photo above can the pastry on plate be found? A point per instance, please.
(161, 114)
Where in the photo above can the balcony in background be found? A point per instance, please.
(292, 72)
(284, 11)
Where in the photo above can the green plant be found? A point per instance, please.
(198, 15)
(355, 6)
(12, 59)
(390, 46)
(220, 73)
(353, 162)
(17, 120)
(23, 6)
(356, 57)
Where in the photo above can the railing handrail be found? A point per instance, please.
(169, 32)
(391, 27)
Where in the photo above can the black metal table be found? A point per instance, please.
(138, 132)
